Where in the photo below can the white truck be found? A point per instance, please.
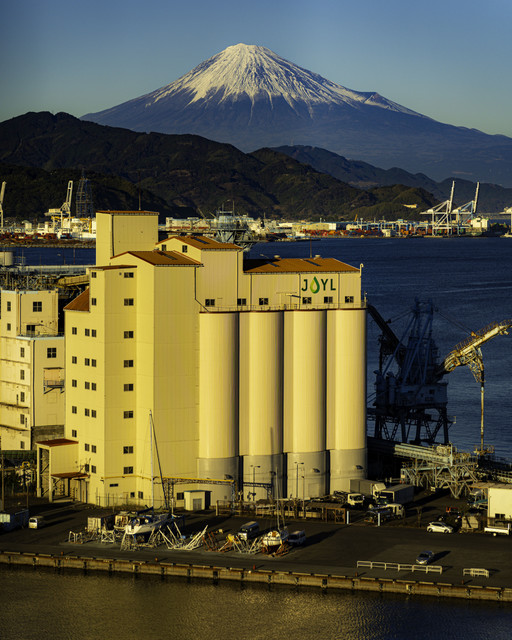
(496, 531)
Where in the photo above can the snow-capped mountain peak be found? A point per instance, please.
(258, 72)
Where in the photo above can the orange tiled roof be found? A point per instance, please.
(163, 258)
(202, 242)
(294, 265)
(80, 303)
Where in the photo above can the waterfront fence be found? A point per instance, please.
(475, 572)
(396, 566)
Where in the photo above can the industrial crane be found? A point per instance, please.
(468, 353)
(409, 380)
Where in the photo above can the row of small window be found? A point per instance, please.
(132, 493)
(91, 448)
(89, 362)
(87, 385)
(242, 302)
(127, 274)
(87, 412)
(37, 306)
(91, 468)
(128, 302)
(87, 332)
(51, 352)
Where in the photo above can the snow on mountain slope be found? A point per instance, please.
(256, 71)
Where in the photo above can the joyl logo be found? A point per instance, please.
(315, 285)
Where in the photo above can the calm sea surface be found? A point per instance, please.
(470, 283)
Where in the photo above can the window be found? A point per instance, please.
(141, 495)
(128, 274)
(93, 413)
(93, 448)
(93, 333)
(74, 383)
(22, 375)
(127, 470)
(93, 362)
(22, 444)
(93, 302)
(164, 247)
(327, 299)
(128, 363)
(37, 306)
(114, 484)
(209, 302)
(86, 467)
(306, 300)
(87, 332)
(127, 414)
(349, 299)
(86, 412)
(31, 328)
(128, 302)
(8, 326)
(8, 306)
(51, 352)
(74, 433)
(87, 385)
(74, 331)
(184, 248)
(22, 396)
(74, 409)
(22, 419)
(241, 302)
(73, 360)
(180, 495)
(128, 334)
(22, 352)
(128, 449)
(263, 301)
(87, 361)
(128, 386)
(132, 494)
(86, 447)
(93, 386)
(93, 274)
(93, 468)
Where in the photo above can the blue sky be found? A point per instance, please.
(447, 59)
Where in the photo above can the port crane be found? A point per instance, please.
(448, 221)
(409, 382)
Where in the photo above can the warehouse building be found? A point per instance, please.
(185, 359)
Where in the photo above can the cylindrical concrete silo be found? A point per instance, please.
(218, 400)
(261, 399)
(346, 396)
(304, 402)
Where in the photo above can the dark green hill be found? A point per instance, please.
(179, 175)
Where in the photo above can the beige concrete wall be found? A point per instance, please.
(117, 232)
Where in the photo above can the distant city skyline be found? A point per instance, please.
(448, 59)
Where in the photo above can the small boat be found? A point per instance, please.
(146, 523)
(275, 538)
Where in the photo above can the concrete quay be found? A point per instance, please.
(328, 560)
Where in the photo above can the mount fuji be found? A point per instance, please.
(250, 97)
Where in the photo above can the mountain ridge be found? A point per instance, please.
(250, 97)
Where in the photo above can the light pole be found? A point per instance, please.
(297, 479)
(254, 467)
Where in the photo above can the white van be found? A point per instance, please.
(36, 522)
(249, 530)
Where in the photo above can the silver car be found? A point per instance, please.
(439, 527)
(425, 557)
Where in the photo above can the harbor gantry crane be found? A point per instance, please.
(448, 221)
(469, 353)
(409, 384)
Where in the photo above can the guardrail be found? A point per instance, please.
(475, 572)
(396, 566)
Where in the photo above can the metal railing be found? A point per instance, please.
(396, 566)
(475, 572)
